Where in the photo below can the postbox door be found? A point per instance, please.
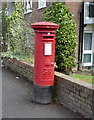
(47, 71)
(44, 59)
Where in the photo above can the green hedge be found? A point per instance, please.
(66, 36)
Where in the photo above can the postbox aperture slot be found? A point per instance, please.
(48, 37)
(47, 48)
(45, 37)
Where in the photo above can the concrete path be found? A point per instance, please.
(17, 97)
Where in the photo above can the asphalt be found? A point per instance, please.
(17, 100)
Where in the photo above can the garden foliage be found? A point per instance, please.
(20, 35)
(66, 36)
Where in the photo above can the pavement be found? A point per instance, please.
(17, 100)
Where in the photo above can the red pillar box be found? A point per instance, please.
(44, 54)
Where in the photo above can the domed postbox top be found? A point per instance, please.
(47, 25)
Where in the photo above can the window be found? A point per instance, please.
(87, 41)
(93, 58)
(27, 6)
(41, 4)
(88, 12)
(87, 49)
(91, 10)
(87, 58)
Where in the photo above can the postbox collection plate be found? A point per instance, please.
(47, 48)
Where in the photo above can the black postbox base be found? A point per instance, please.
(42, 94)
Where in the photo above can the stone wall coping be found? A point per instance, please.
(76, 81)
(21, 61)
(28, 63)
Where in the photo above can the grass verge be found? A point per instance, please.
(85, 78)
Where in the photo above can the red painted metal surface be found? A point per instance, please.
(44, 53)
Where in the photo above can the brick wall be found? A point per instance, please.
(72, 93)
(22, 68)
(75, 8)
(37, 14)
(75, 94)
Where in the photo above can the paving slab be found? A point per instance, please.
(17, 100)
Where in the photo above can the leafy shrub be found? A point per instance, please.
(66, 36)
(20, 35)
(18, 56)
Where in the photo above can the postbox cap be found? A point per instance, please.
(47, 25)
